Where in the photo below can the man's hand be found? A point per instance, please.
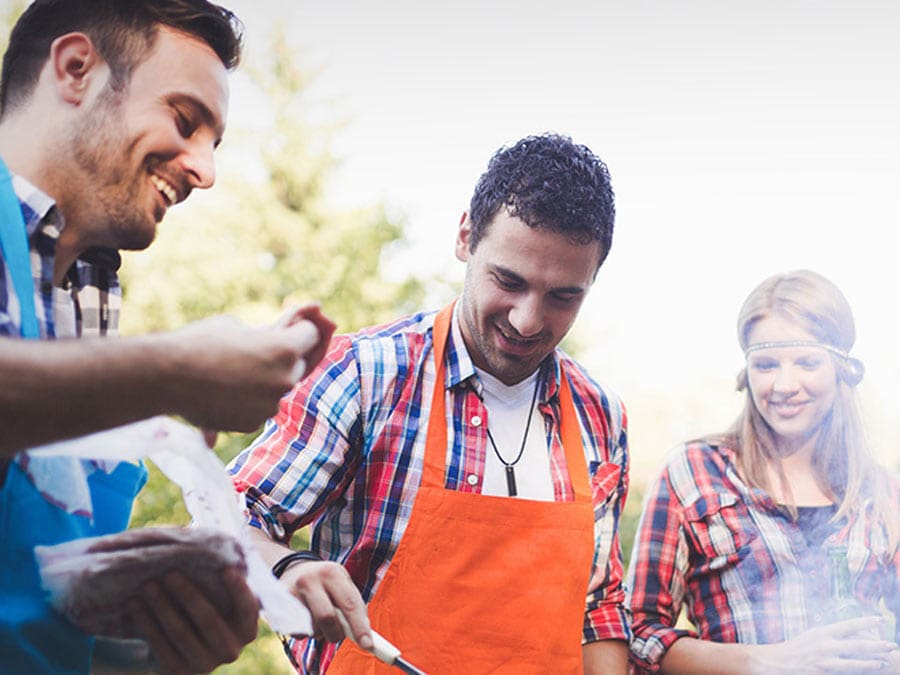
(186, 633)
(311, 312)
(326, 589)
(225, 375)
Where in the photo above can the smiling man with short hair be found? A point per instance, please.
(111, 112)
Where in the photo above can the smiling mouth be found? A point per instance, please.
(517, 345)
(787, 409)
(166, 189)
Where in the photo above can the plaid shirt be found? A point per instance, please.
(91, 282)
(95, 297)
(739, 564)
(345, 453)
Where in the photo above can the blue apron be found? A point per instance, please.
(14, 248)
(33, 638)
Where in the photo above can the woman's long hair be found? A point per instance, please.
(843, 464)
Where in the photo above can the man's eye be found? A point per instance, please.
(507, 284)
(565, 298)
(185, 124)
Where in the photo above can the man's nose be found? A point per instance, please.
(526, 316)
(199, 164)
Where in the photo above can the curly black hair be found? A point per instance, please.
(551, 183)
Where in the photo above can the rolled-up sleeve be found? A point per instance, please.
(303, 460)
(606, 614)
(656, 576)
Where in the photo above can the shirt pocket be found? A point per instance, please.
(716, 527)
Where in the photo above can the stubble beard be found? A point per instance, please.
(486, 355)
(112, 188)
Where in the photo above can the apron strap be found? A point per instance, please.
(570, 433)
(433, 473)
(434, 470)
(14, 247)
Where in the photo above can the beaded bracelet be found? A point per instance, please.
(279, 568)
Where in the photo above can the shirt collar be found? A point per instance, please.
(41, 211)
(38, 205)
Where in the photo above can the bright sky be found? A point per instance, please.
(743, 139)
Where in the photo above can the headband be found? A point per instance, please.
(856, 369)
(796, 343)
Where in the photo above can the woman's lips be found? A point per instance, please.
(787, 409)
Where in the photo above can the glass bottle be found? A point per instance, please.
(841, 602)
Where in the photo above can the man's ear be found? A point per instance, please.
(463, 236)
(74, 63)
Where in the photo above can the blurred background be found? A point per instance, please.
(743, 139)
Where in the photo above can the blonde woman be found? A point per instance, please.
(743, 529)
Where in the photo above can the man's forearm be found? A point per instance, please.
(59, 389)
(605, 656)
(270, 550)
(217, 373)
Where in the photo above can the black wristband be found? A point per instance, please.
(279, 567)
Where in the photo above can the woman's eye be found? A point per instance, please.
(764, 366)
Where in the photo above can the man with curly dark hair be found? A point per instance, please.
(462, 476)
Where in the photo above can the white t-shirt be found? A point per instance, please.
(507, 416)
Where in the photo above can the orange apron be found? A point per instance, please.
(483, 584)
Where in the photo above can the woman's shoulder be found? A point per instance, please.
(708, 452)
(697, 469)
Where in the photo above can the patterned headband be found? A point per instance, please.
(796, 343)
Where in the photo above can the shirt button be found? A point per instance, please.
(472, 479)
(476, 422)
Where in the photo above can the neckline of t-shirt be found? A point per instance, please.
(510, 394)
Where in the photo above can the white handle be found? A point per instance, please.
(383, 650)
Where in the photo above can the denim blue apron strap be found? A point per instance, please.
(14, 247)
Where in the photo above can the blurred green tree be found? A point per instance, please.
(264, 238)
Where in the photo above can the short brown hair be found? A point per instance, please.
(123, 32)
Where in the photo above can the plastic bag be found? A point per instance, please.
(209, 495)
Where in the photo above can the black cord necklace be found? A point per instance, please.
(510, 470)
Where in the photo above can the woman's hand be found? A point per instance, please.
(894, 660)
(851, 646)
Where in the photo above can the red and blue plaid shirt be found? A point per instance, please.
(738, 564)
(345, 454)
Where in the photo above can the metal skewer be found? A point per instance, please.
(407, 667)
